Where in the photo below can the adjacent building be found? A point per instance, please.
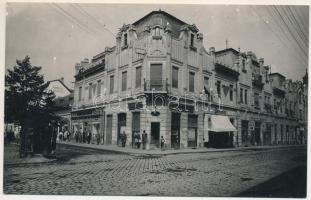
(160, 78)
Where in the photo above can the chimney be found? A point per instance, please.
(261, 61)
(62, 79)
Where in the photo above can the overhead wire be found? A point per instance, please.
(289, 30)
(85, 13)
(282, 30)
(278, 36)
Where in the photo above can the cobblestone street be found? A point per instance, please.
(89, 172)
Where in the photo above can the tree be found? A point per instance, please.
(28, 102)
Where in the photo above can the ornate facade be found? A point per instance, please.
(160, 78)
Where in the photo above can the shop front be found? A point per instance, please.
(221, 132)
(89, 121)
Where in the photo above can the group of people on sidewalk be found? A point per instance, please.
(85, 137)
(64, 135)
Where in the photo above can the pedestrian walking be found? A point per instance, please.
(144, 139)
(162, 143)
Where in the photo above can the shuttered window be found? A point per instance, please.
(191, 81)
(99, 87)
(124, 81)
(80, 93)
(241, 95)
(111, 83)
(138, 77)
(175, 77)
(156, 75)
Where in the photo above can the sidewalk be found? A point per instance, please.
(11, 156)
(133, 151)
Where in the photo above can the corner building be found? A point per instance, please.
(160, 78)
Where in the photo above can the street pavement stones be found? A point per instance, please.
(200, 174)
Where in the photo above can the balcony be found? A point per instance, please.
(279, 91)
(257, 81)
(155, 86)
(226, 70)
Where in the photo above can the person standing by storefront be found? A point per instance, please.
(76, 136)
(138, 140)
(123, 138)
(144, 139)
(162, 143)
(89, 136)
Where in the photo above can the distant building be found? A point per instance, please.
(160, 78)
(63, 102)
(59, 88)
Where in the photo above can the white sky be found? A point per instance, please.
(56, 43)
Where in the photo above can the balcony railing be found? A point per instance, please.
(156, 86)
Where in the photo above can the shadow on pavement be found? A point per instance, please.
(290, 184)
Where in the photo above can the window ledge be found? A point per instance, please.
(157, 37)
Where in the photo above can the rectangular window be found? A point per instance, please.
(138, 77)
(90, 91)
(192, 40)
(99, 87)
(124, 81)
(191, 81)
(156, 76)
(111, 84)
(125, 39)
(218, 84)
(245, 98)
(175, 77)
(241, 95)
(231, 93)
(256, 100)
(80, 93)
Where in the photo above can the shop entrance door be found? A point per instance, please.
(175, 131)
(109, 129)
(155, 133)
